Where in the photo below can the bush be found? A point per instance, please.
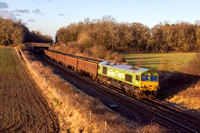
(99, 51)
(84, 40)
(193, 66)
(11, 33)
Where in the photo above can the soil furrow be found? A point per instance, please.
(22, 106)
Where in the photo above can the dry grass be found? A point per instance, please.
(189, 98)
(76, 110)
(152, 128)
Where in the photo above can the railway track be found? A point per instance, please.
(173, 116)
(191, 118)
(180, 116)
(166, 116)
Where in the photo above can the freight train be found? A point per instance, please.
(141, 82)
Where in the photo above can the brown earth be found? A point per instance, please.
(22, 106)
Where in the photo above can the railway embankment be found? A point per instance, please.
(78, 112)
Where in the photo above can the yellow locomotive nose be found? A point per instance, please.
(150, 86)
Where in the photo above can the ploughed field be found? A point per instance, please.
(22, 106)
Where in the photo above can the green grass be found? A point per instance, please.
(57, 102)
(171, 61)
(8, 57)
(11, 68)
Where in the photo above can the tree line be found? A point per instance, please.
(13, 33)
(131, 37)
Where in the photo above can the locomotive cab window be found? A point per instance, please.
(137, 77)
(145, 78)
(104, 70)
(154, 78)
(128, 78)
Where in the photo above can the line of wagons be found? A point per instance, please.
(140, 82)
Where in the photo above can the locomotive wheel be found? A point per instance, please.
(152, 96)
(94, 77)
(123, 89)
(99, 78)
(126, 91)
(132, 92)
(137, 93)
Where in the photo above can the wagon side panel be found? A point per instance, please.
(89, 67)
(70, 61)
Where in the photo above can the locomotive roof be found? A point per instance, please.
(124, 67)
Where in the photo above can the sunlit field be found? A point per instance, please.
(174, 61)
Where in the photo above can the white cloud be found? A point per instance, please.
(31, 20)
(17, 15)
(61, 14)
(37, 11)
(7, 15)
(22, 11)
(3, 5)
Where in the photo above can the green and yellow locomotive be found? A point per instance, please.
(141, 82)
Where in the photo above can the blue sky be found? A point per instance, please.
(47, 16)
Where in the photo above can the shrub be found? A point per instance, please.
(99, 51)
(84, 40)
(193, 66)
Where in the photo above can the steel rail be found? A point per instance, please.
(176, 109)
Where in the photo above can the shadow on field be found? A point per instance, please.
(142, 58)
(173, 83)
(144, 63)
